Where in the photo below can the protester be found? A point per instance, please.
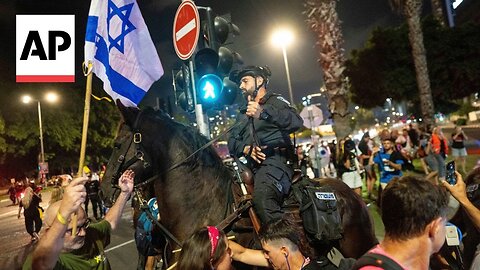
(414, 214)
(57, 191)
(263, 138)
(459, 152)
(320, 161)
(31, 210)
(12, 191)
(93, 187)
(61, 248)
(283, 249)
(438, 149)
(366, 152)
(301, 160)
(422, 153)
(468, 194)
(206, 249)
(388, 160)
(350, 167)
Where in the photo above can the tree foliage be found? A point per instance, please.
(384, 67)
(62, 128)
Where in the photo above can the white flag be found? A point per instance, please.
(118, 44)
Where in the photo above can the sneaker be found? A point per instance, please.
(35, 234)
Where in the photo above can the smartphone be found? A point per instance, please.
(451, 177)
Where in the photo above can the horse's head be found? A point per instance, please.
(129, 152)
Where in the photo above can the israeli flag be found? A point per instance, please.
(118, 44)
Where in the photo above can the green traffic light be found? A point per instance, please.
(208, 90)
(210, 87)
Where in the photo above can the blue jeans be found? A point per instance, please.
(437, 162)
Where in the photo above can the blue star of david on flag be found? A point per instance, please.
(122, 13)
(119, 46)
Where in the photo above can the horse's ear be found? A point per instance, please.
(129, 114)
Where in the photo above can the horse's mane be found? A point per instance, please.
(189, 138)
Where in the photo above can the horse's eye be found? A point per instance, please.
(117, 145)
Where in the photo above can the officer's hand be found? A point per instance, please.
(73, 197)
(256, 154)
(253, 108)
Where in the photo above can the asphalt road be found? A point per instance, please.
(15, 241)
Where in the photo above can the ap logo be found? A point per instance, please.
(45, 49)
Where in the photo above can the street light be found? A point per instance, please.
(49, 97)
(283, 38)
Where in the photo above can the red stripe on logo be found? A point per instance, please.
(45, 78)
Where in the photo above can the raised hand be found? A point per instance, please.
(126, 181)
(73, 197)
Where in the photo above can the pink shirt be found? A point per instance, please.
(378, 250)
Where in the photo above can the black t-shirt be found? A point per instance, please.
(458, 143)
(92, 188)
(363, 147)
(320, 264)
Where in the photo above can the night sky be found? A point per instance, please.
(256, 19)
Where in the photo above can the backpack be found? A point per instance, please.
(319, 212)
(378, 260)
(145, 238)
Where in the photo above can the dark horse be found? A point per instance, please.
(193, 192)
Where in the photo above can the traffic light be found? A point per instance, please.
(209, 84)
(183, 89)
(214, 62)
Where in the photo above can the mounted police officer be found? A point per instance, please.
(264, 140)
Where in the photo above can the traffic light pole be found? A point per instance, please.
(202, 125)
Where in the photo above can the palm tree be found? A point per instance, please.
(322, 18)
(411, 9)
(438, 11)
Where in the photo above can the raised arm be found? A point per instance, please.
(247, 256)
(57, 218)
(459, 192)
(126, 185)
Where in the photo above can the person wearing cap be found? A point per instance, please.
(389, 161)
(63, 248)
(263, 139)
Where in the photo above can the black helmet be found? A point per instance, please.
(254, 71)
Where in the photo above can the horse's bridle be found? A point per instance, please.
(140, 155)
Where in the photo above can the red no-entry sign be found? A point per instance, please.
(186, 29)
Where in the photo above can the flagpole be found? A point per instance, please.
(86, 114)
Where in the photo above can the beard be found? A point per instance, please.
(75, 244)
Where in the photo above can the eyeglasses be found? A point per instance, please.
(79, 228)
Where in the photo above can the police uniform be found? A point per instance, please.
(272, 177)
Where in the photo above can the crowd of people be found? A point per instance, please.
(389, 153)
